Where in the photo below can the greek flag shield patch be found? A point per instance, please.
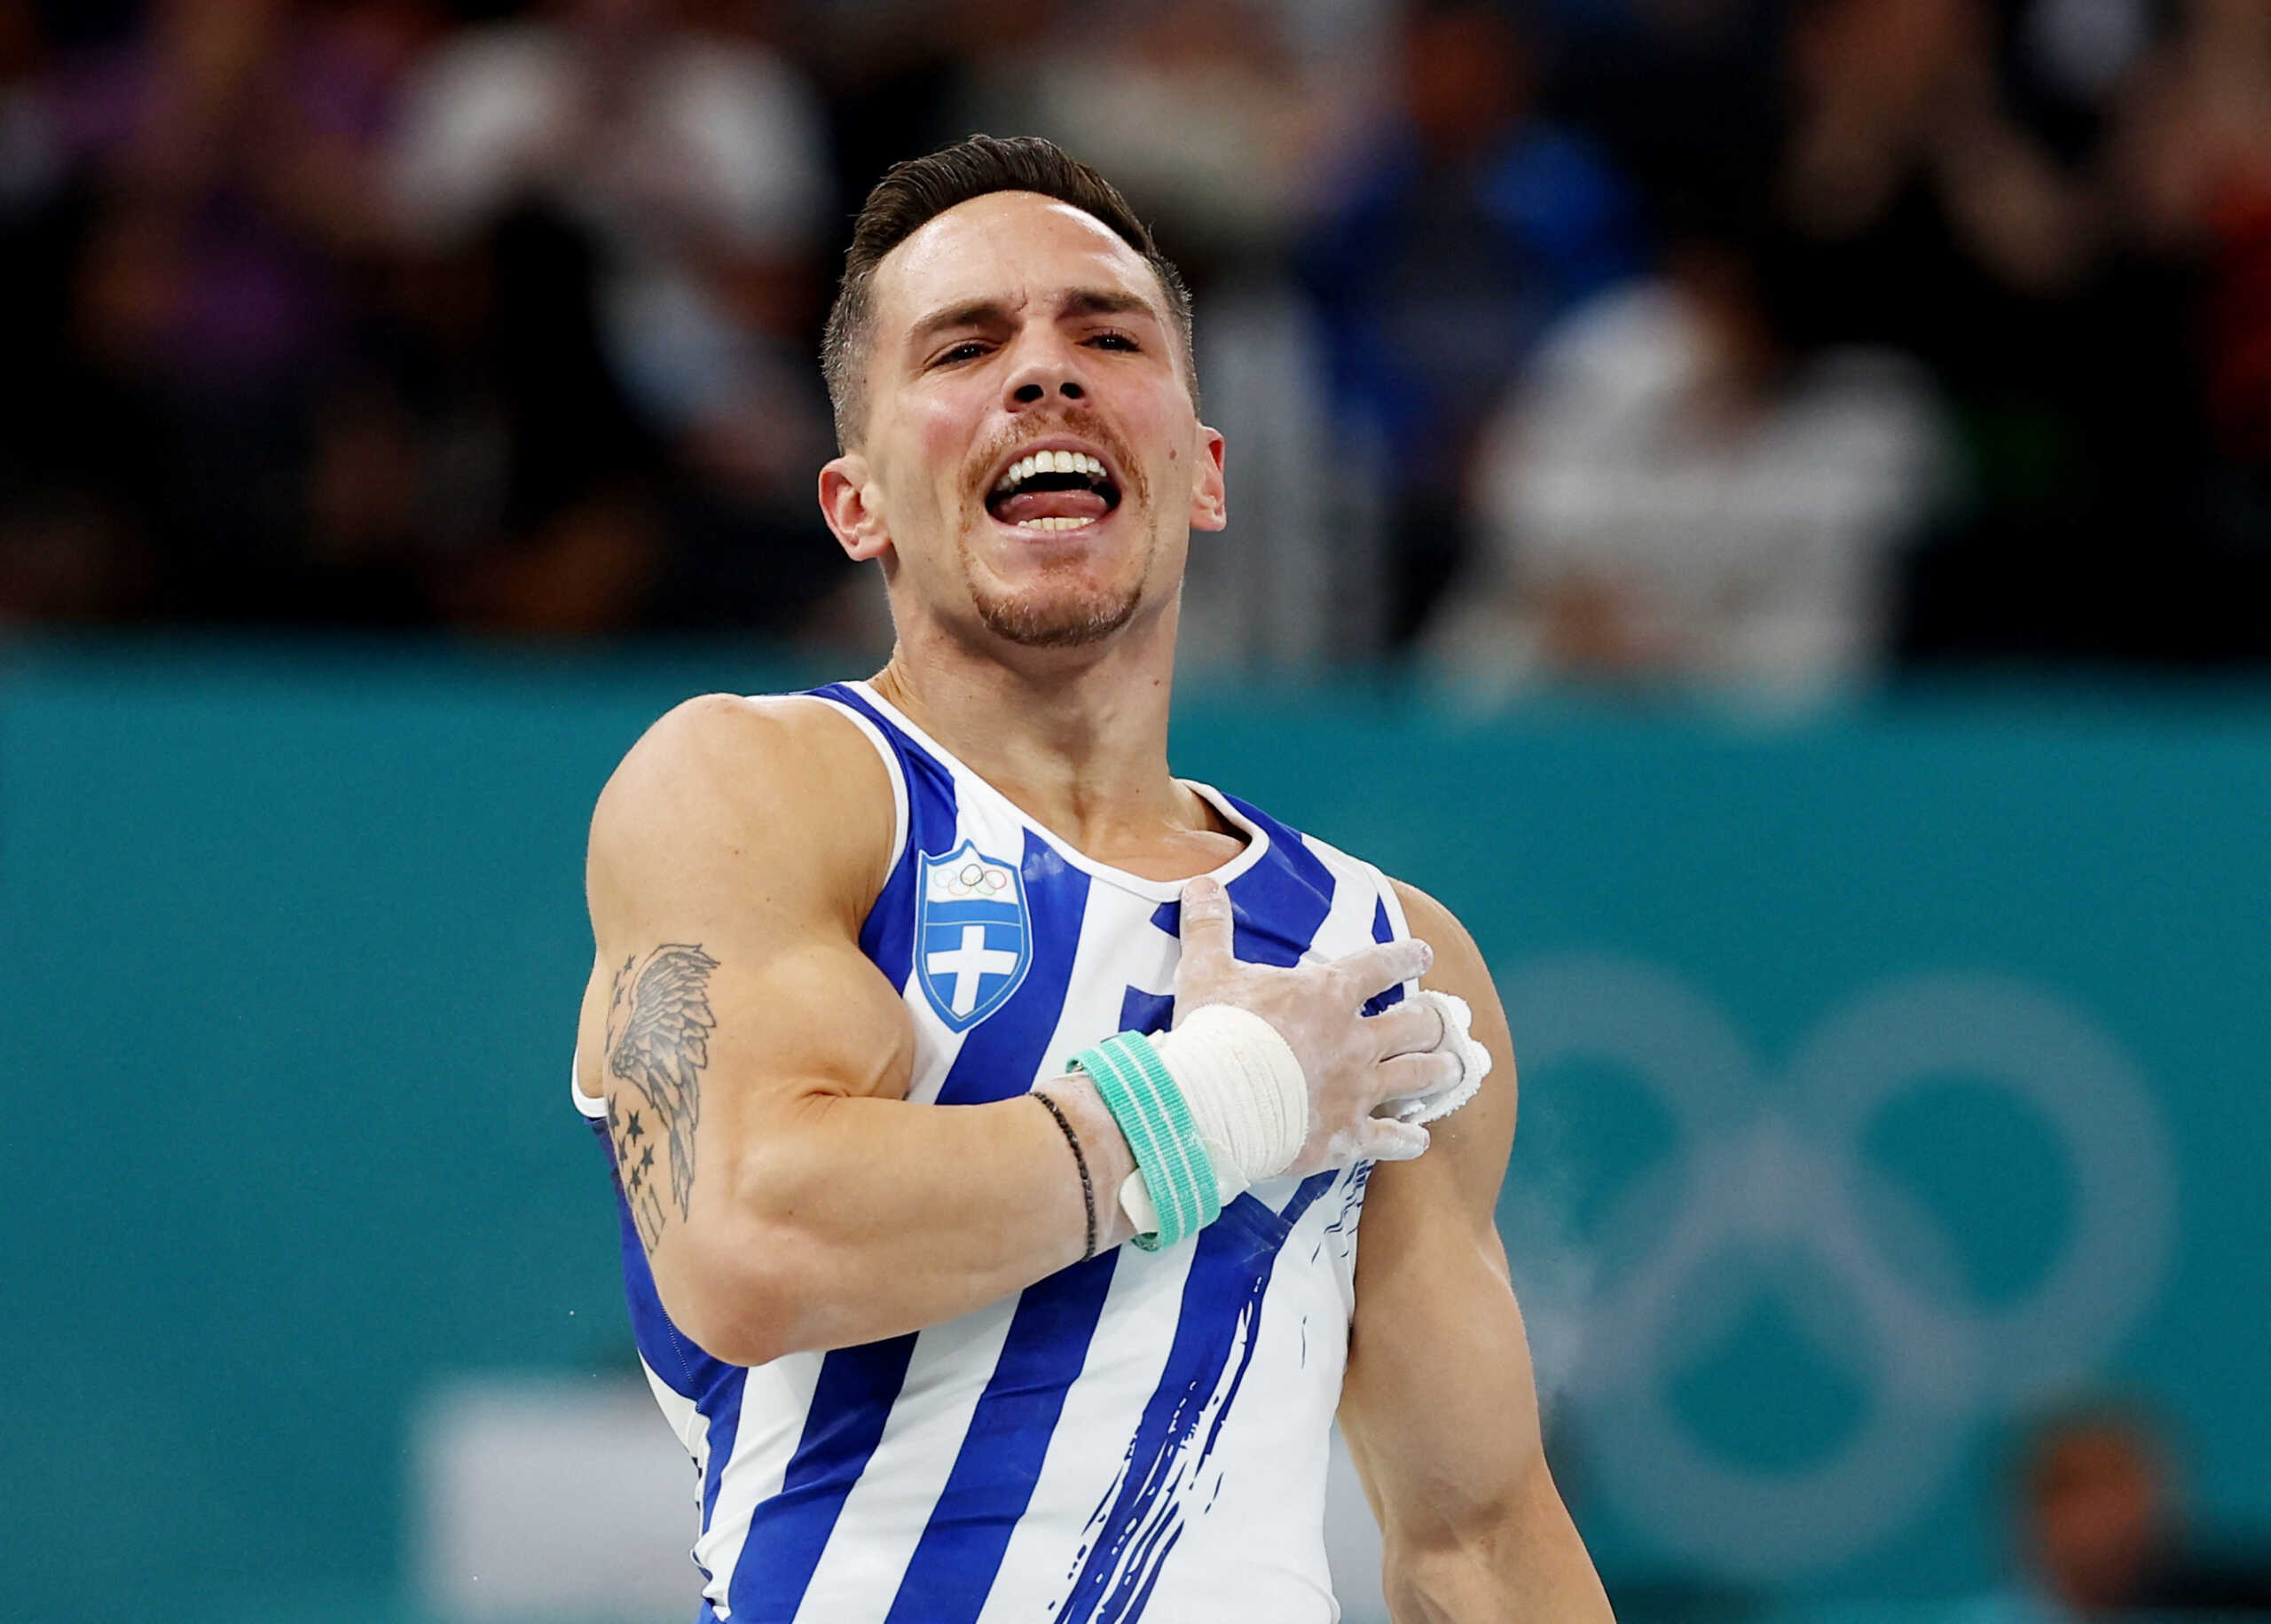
(973, 935)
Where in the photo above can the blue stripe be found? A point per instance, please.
(971, 912)
(1305, 1196)
(1383, 931)
(724, 1409)
(1144, 1596)
(787, 1533)
(887, 935)
(1279, 903)
(1222, 1296)
(955, 1566)
(1146, 1012)
(1001, 1053)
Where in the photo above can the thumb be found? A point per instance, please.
(1206, 922)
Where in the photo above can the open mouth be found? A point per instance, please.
(1053, 491)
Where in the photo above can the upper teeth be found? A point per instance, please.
(1050, 462)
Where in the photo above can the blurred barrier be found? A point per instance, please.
(1880, 1074)
(541, 1496)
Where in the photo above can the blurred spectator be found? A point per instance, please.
(2194, 156)
(1469, 226)
(1901, 141)
(202, 209)
(1195, 109)
(67, 552)
(897, 76)
(666, 183)
(369, 312)
(2070, 60)
(2100, 1531)
(1676, 492)
(1666, 83)
(1927, 212)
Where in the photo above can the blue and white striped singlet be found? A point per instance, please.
(1141, 1436)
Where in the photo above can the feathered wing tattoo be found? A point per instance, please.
(658, 1028)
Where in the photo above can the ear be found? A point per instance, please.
(1209, 507)
(846, 503)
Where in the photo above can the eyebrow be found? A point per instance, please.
(1106, 301)
(994, 312)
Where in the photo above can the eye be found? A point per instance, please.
(969, 349)
(1114, 340)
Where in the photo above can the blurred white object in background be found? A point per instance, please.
(1670, 494)
(1279, 589)
(533, 1495)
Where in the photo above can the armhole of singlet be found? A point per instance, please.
(892, 769)
(591, 1108)
(1399, 927)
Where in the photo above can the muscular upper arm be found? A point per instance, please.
(1439, 1405)
(1433, 1293)
(734, 854)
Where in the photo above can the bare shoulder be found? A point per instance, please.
(777, 751)
(788, 788)
(1455, 953)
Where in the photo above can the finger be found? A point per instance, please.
(1373, 970)
(1387, 1141)
(1207, 927)
(1416, 1076)
(1408, 1028)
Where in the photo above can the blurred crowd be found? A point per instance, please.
(1770, 342)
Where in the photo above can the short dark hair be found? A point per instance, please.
(913, 193)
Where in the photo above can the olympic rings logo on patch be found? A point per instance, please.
(978, 880)
(1767, 1192)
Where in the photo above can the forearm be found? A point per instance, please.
(857, 1219)
(1528, 1563)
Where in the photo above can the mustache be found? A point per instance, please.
(1069, 421)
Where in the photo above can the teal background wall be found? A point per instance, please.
(295, 941)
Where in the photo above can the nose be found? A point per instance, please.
(1047, 369)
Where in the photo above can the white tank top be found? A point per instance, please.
(1141, 1436)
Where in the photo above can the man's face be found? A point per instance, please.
(1011, 335)
(2099, 1518)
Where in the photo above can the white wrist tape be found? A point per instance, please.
(1474, 1061)
(1248, 1097)
(1245, 1088)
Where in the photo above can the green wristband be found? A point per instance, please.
(1141, 1094)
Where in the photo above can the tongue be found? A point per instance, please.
(1051, 505)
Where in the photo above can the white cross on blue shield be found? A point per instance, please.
(973, 938)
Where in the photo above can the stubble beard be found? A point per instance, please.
(1058, 610)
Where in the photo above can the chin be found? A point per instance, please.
(1040, 617)
(1059, 603)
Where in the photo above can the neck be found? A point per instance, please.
(1077, 738)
